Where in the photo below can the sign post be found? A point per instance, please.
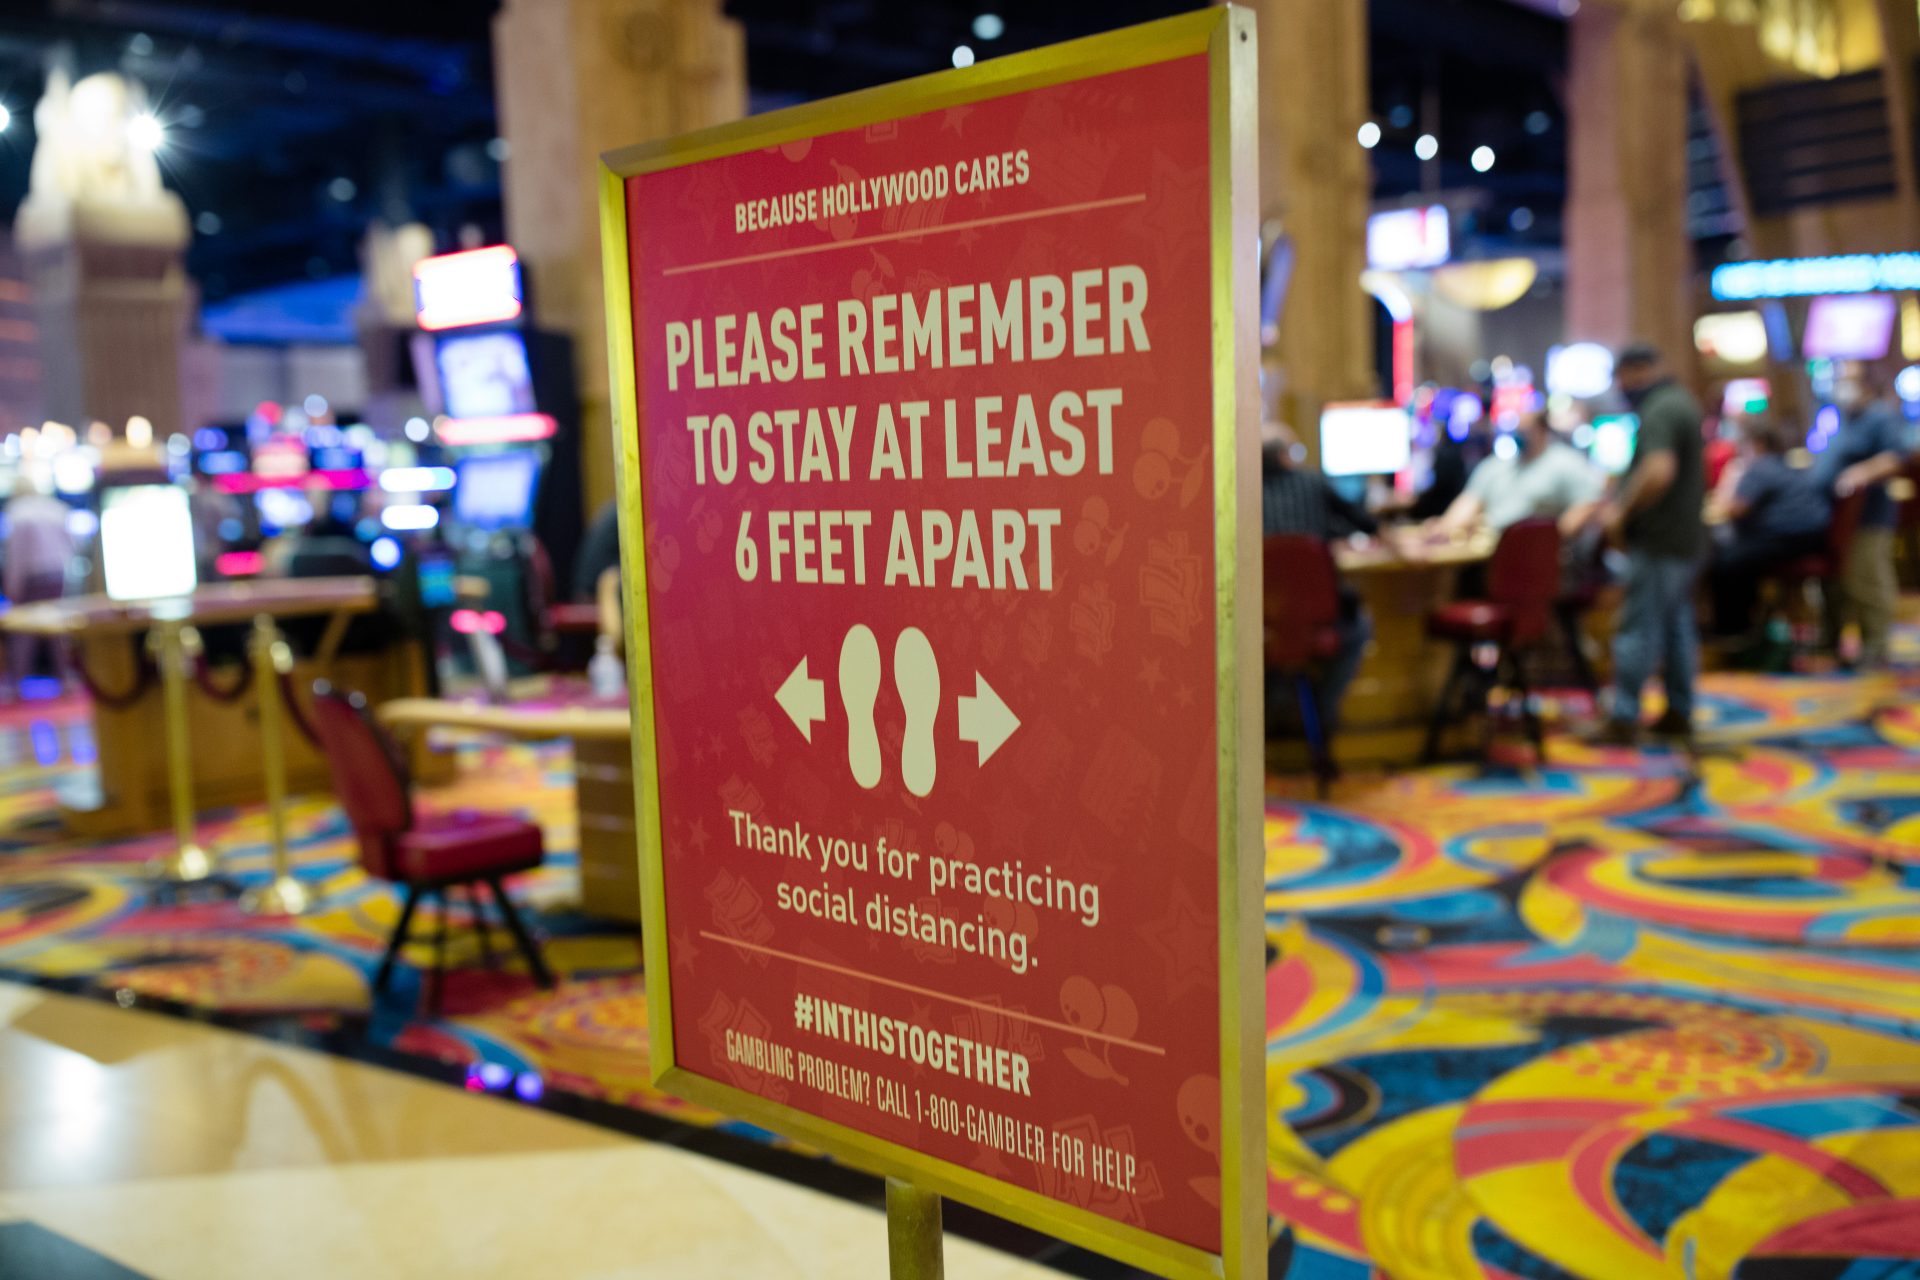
(937, 420)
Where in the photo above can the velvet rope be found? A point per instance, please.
(143, 674)
(296, 711)
(203, 676)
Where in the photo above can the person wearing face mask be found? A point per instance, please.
(1296, 499)
(1869, 449)
(1657, 517)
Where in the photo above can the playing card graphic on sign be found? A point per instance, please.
(938, 669)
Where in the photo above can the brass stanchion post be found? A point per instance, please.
(913, 1233)
(283, 895)
(174, 646)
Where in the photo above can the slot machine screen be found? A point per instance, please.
(485, 375)
(495, 490)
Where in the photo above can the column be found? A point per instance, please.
(576, 78)
(103, 245)
(1316, 188)
(1629, 262)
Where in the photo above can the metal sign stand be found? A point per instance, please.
(913, 1233)
(175, 645)
(284, 895)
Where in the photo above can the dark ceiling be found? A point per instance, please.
(270, 105)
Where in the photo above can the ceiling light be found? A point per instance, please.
(962, 56)
(988, 26)
(146, 132)
(1369, 135)
(1427, 147)
(1482, 159)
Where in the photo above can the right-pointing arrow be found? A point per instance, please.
(804, 699)
(985, 719)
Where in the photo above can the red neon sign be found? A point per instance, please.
(508, 428)
(348, 480)
(237, 564)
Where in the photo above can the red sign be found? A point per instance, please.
(925, 467)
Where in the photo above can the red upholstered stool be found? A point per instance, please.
(1523, 584)
(427, 853)
(1302, 623)
(1791, 578)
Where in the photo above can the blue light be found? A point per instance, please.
(1826, 424)
(1814, 277)
(231, 530)
(46, 744)
(209, 438)
(494, 1075)
(385, 552)
(529, 1086)
(39, 688)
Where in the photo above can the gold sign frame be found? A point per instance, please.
(1225, 35)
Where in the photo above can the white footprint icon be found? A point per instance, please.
(916, 674)
(859, 688)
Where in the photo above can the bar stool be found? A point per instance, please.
(1790, 578)
(1523, 582)
(1302, 625)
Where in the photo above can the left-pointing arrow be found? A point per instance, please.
(804, 699)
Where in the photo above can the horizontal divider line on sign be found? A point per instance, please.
(913, 233)
(983, 1006)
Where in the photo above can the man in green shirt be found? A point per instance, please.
(1657, 517)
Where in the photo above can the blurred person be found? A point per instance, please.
(1449, 479)
(1657, 517)
(326, 547)
(1298, 500)
(1771, 513)
(39, 548)
(1545, 477)
(599, 552)
(1869, 449)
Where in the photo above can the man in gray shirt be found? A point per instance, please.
(1543, 478)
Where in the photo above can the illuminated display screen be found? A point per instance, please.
(496, 490)
(1370, 439)
(146, 542)
(477, 286)
(1850, 328)
(1733, 337)
(485, 375)
(1409, 239)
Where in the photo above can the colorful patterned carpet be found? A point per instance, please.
(1618, 1019)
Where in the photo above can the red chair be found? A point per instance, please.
(1523, 584)
(1302, 625)
(427, 853)
(1909, 523)
(1791, 578)
(553, 618)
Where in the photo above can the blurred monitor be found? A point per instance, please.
(485, 375)
(1614, 438)
(495, 490)
(1851, 327)
(1746, 395)
(146, 542)
(1365, 438)
(436, 579)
